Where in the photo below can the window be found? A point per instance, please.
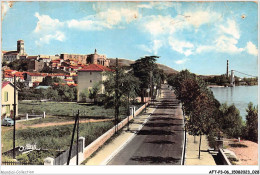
(90, 73)
(90, 81)
(6, 96)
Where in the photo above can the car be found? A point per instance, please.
(8, 122)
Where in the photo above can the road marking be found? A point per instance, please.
(107, 160)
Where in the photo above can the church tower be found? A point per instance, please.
(20, 47)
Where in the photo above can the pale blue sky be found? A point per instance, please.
(199, 36)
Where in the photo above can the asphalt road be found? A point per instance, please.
(160, 141)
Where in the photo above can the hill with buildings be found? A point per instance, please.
(127, 63)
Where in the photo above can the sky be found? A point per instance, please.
(198, 36)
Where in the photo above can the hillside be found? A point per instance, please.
(126, 63)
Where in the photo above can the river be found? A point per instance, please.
(239, 95)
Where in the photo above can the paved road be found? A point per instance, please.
(160, 141)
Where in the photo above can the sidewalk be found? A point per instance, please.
(192, 151)
(108, 151)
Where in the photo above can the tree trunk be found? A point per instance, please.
(199, 146)
(142, 96)
(195, 139)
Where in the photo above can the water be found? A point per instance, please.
(239, 95)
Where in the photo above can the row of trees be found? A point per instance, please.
(56, 93)
(204, 113)
(222, 80)
(132, 82)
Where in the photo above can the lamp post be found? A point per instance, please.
(14, 114)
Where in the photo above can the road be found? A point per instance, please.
(160, 141)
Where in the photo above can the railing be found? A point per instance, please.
(16, 163)
(31, 116)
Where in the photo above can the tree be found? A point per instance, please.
(252, 122)
(93, 93)
(84, 94)
(144, 70)
(47, 81)
(231, 121)
(19, 65)
(128, 87)
(198, 102)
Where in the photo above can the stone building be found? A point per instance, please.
(10, 56)
(79, 58)
(89, 76)
(97, 59)
(35, 65)
(86, 59)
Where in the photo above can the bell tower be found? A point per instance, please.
(20, 47)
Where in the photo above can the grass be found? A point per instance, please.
(66, 109)
(54, 137)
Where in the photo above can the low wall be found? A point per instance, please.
(222, 156)
(91, 148)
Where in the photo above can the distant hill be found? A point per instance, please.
(127, 63)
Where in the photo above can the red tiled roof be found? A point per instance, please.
(11, 53)
(9, 70)
(36, 74)
(4, 83)
(94, 68)
(32, 57)
(55, 61)
(69, 80)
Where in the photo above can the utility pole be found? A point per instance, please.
(116, 99)
(77, 158)
(14, 114)
(73, 133)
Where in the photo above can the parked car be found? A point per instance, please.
(8, 122)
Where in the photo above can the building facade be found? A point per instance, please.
(10, 56)
(81, 59)
(89, 77)
(98, 59)
(7, 99)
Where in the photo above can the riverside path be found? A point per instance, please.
(160, 141)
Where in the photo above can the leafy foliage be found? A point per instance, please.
(231, 121)
(128, 86)
(19, 65)
(252, 122)
(56, 93)
(148, 73)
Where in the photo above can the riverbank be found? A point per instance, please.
(245, 150)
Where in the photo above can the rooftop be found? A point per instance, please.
(95, 68)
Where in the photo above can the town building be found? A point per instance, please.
(97, 59)
(74, 57)
(10, 56)
(7, 99)
(35, 65)
(89, 76)
(8, 75)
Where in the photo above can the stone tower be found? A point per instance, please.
(20, 47)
